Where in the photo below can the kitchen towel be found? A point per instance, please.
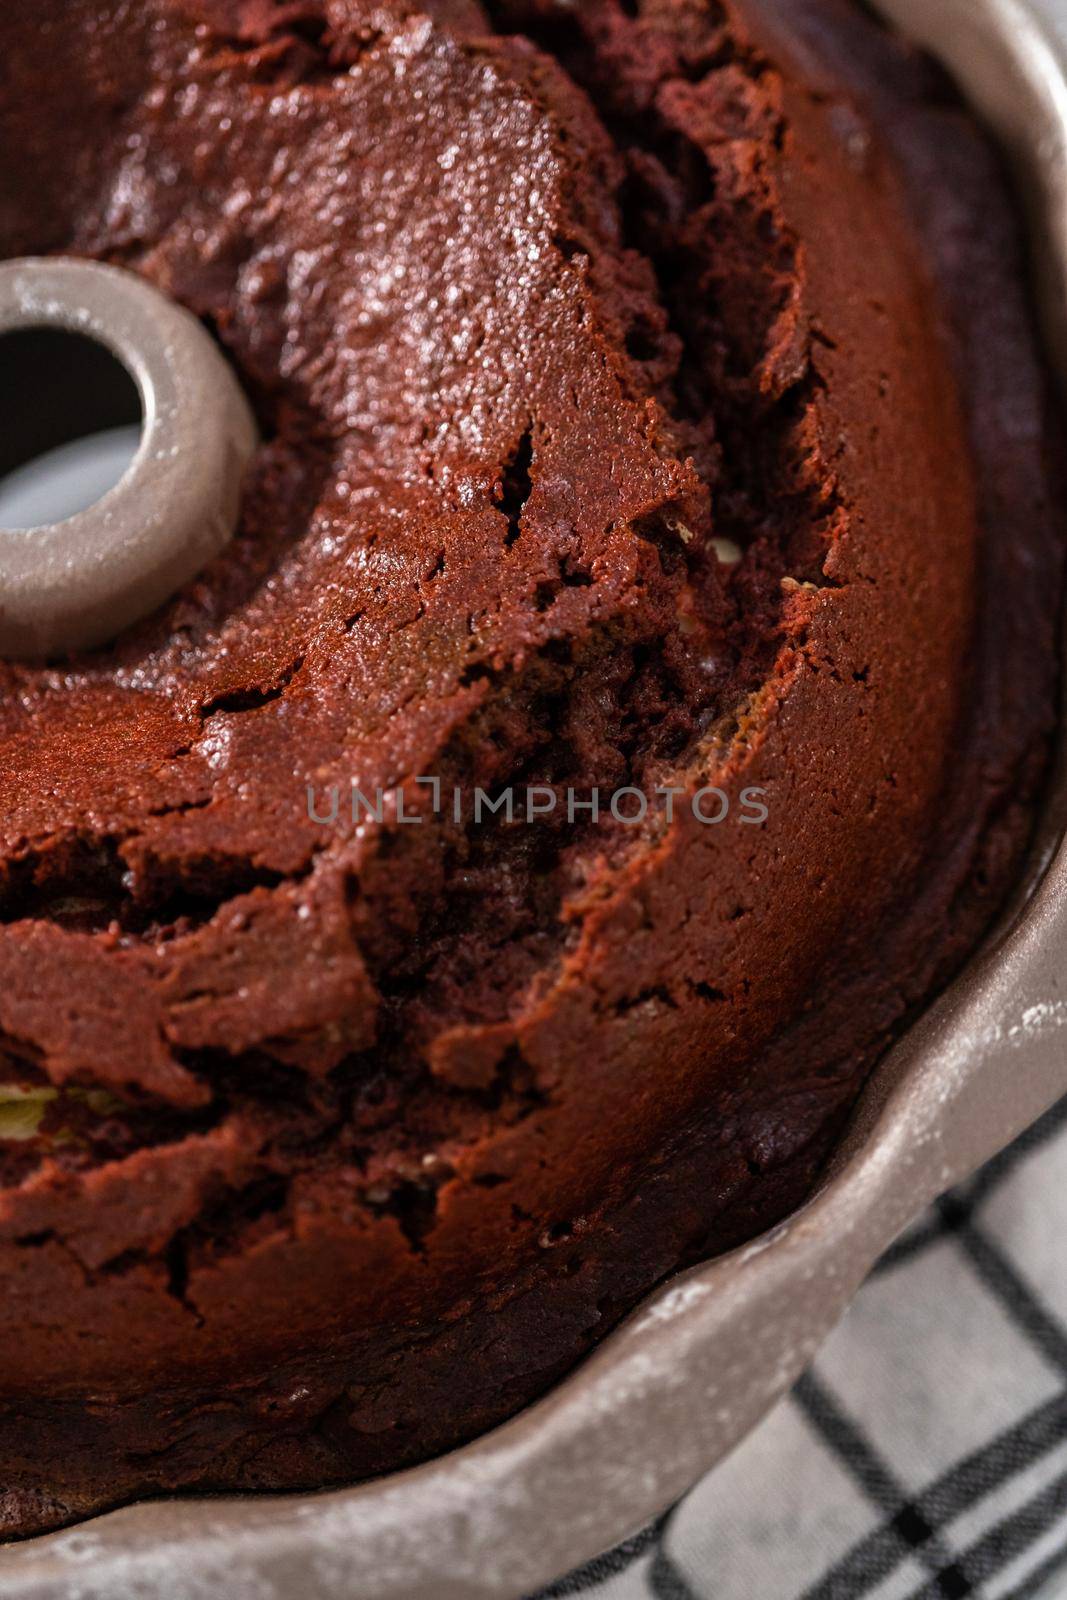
(924, 1455)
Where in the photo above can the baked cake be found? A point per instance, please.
(650, 408)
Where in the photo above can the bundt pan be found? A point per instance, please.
(694, 1369)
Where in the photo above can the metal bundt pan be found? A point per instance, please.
(699, 1364)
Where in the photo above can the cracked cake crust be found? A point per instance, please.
(626, 422)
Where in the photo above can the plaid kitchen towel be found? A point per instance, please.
(924, 1456)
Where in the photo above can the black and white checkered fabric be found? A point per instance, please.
(925, 1454)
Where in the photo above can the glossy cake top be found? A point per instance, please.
(521, 392)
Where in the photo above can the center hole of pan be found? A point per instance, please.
(71, 421)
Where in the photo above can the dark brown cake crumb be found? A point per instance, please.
(649, 402)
